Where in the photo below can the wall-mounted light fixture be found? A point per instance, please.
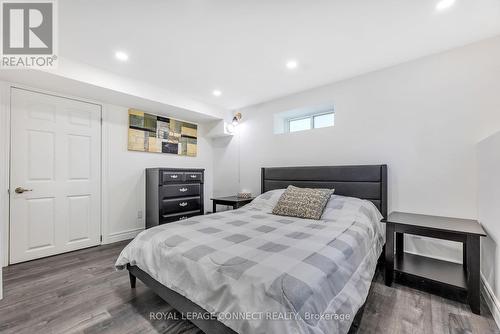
(236, 119)
(231, 127)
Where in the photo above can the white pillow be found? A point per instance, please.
(266, 201)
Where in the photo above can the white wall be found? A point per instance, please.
(422, 118)
(488, 155)
(124, 190)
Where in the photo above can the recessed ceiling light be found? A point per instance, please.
(291, 64)
(217, 92)
(120, 55)
(444, 4)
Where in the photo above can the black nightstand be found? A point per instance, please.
(436, 273)
(233, 201)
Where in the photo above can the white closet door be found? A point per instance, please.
(55, 183)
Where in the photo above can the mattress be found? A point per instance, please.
(261, 273)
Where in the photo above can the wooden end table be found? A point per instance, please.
(464, 277)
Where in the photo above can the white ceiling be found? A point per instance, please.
(240, 47)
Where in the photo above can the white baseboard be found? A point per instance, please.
(491, 300)
(122, 235)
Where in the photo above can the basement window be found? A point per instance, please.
(314, 121)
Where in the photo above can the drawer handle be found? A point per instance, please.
(183, 190)
(183, 218)
(193, 176)
(174, 176)
(183, 204)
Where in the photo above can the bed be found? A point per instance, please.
(248, 271)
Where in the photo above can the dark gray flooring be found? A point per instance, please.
(80, 292)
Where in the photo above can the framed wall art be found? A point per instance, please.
(159, 134)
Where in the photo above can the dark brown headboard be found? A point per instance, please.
(365, 181)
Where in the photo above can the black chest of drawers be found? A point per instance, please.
(173, 194)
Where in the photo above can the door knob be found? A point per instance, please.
(20, 190)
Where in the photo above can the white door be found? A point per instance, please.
(55, 183)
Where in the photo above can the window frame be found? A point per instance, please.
(311, 119)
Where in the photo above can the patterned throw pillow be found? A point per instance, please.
(303, 202)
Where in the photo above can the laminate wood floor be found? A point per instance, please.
(80, 292)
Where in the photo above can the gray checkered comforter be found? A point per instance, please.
(289, 275)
